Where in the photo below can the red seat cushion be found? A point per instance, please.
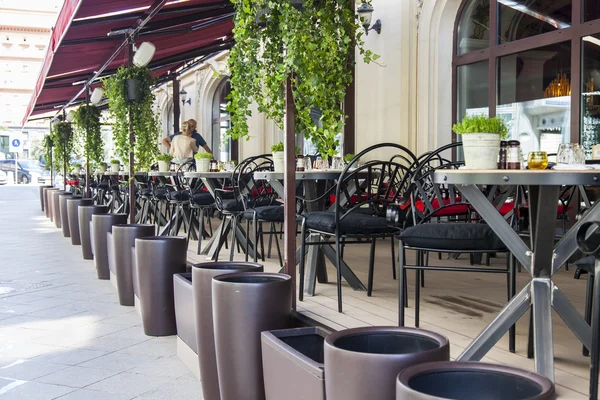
(457, 209)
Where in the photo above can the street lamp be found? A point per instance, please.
(183, 97)
(365, 13)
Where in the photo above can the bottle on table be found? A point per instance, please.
(513, 156)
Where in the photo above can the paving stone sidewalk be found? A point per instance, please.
(63, 334)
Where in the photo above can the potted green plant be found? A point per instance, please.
(64, 145)
(481, 137)
(76, 169)
(164, 162)
(277, 150)
(115, 165)
(89, 130)
(349, 157)
(102, 167)
(203, 161)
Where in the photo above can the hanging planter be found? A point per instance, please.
(89, 132)
(62, 139)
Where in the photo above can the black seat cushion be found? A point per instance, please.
(231, 205)
(266, 213)
(146, 192)
(354, 223)
(452, 236)
(202, 199)
(179, 196)
(160, 193)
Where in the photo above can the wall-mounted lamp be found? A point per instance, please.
(365, 13)
(183, 97)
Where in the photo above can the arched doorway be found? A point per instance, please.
(221, 121)
(535, 63)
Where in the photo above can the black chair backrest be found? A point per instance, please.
(252, 192)
(374, 185)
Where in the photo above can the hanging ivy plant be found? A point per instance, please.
(89, 130)
(313, 45)
(145, 122)
(48, 144)
(64, 143)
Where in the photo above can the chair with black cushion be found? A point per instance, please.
(362, 194)
(423, 232)
(179, 196)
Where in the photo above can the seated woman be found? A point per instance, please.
(183, 146)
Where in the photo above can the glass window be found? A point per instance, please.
(590, 91)
(473, 27)
(519, 19)
(472, 89)
(591, 10)
(220, 122)
(534, 92)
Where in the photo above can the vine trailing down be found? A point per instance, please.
(89, 132)
(48, 145)
(313, 44)
(145, 122)
(64, 144)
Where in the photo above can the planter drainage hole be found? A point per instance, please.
(310, 346)
(386, 343)
(474, 385)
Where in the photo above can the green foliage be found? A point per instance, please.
(102, 164)
(64, 142)
(277, 147)
(164, 157)
(146, 126)
(76, 165)
(47, 145)
(203, 154)
(348, 157)
(481, 124)
(314, 47)
(89, 132)
(115, 162)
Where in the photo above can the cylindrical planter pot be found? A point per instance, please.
(163, 166)
(102, 224)
(73, 212)
(124, 241)
(158, 259)
(202, 275)
(48, 202)
(481, 150)
(64, 215)
(293, 363)
(85, 217)
(115, 167)
(42, 187)
(244, 305)
(363, 363)
(56, 207)
(202, 164)
(471, 381)
(278, 161)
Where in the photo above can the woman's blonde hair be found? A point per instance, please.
(185, 126)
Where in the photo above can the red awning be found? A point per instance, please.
(80, 43)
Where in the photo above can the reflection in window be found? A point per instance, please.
(591, 10)
(472, 89)
(220, 122)
(534, 96)
(473, 27)
(590, 90)
(520, 19)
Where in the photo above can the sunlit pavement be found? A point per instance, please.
(63, 333)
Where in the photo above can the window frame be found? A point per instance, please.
(574, 34)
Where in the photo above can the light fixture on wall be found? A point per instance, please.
(365, 13)
(183, 97)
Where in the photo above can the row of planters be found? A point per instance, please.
(238, 320)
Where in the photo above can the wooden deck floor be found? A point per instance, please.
(456, 304)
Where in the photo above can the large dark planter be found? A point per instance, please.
(202, 276)
(56, 207)
(73, 211)
(185, 320)
(363, 363)
(85, 217)
(293, 363)
(64, 215)
(42, 194)
(471, 381)
(244, 305)
(123, 242)
(101, 225)
(48, 202)
(158, 259)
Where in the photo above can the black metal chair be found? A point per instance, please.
(424, 234)
(362, 194)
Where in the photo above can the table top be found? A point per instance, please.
(119, 173)
(312, 174)
(222, 174)
(517, 177)
(157, 173)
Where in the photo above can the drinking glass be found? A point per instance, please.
(337, 163)
(568, 153)
(307, 164)
(537, 160)
(319, 163)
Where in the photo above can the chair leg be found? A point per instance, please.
(392, 242)
(233, 241)
(418, 290)
(302, 258)
(276, 243)
(338, 254)
(200, 230)
(255, 230)
(371, 267)
(402, 295)
(248, 240)
(262, 242)
(589, 297)
(530, 335)
(511, 293)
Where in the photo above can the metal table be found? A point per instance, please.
(542, 259)
(314, 187)
(211, 181)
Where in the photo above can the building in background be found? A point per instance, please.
(25, 28)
